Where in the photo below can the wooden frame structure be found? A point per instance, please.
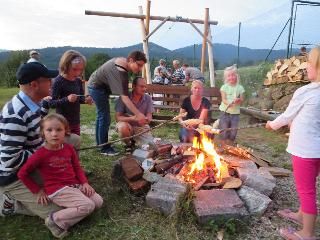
(145, 23)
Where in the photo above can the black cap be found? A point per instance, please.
(29, 72)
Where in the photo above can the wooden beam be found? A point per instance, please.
(204, 41)
(211, 61)
(154, 30)
(141, 16)
(199, 31)
(144, 73)
(145, 48)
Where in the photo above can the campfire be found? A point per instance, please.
(207, 166)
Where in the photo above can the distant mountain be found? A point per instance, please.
(223, 53)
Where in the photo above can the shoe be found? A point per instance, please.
(289, 215)
(291, 234)
(7, 205)
(109, 152)
(56, 231)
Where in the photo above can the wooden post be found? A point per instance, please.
(145, 47)
(211, 61)
(204, 41)
(144, 73)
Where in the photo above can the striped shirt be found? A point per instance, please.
(19, 135)
(178, 76)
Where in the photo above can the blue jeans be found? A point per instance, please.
(186, 135)
(103, 118)
(228, 120)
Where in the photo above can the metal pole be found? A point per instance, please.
(194, 54)
(290, 26)
(239, 44)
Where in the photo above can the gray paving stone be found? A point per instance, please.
(166, 194)
(142, 155)
(252, 178)
(218, 203)
(239, 162)
(255, 202)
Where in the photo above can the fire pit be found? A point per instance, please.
(226, 180)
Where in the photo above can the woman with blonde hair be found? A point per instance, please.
(197, 107)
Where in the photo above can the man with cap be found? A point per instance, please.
(20, 137)
(34, 56)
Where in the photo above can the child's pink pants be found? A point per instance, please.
(77, 206)
(306, 171)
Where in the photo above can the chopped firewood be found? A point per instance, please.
(131, 168)
(189, 153)
(259, 161)
(238, 151)
(276, 171)
(232, 182)
(199, 184)
(166, 148)
(137, 186)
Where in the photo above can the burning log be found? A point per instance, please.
(237, 151)
(162, 167)
(199, 184)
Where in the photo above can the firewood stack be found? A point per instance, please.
(290, 70)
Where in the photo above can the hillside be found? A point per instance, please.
(224, 53)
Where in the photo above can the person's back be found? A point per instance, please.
(193, 73)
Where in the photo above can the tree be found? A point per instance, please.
(95, 61)
(9, 67)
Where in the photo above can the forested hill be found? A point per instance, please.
(224, 54)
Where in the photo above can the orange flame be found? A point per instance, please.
(201, 163)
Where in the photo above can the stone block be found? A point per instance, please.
(255, 202)
(217, 204)
(252, 178)
(239, 162)
(142, 155)
(166, 194)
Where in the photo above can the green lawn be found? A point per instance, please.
(124, 215)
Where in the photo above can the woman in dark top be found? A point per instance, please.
(67, 92)
(113, 78)
(197, 107)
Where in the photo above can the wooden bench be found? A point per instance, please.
(173, 96)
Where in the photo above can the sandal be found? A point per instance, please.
(289, 215)
(291, 234)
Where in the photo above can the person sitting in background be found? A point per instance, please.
(303, 51)
(161, 74)
(197, 107)
(178, 75)
(232, 97)
(127, 123)
(192, 73)
(34, 56)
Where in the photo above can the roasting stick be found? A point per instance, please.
(176, 118)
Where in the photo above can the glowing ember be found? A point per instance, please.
(207, 163)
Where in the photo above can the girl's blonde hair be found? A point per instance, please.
(69, 57)
(232, 69)
(314, 59)
(58, 117)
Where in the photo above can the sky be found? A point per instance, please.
(35, 24)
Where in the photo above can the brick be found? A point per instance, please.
(137, 186)
(218, 203)
(131, 169)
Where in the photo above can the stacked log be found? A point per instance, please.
(290, 70)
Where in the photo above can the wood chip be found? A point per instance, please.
(232, 183)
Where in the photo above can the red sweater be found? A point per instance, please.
(57, 168)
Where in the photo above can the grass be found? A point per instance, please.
(124, 215)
